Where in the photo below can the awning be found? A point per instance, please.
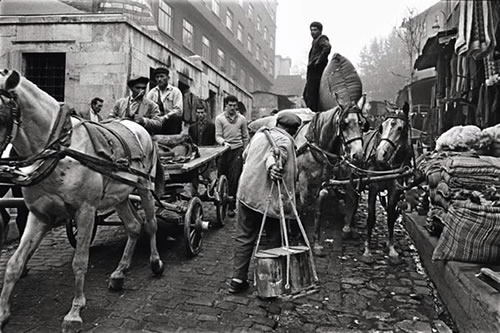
(443, 41)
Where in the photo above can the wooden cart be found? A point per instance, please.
(175, 206)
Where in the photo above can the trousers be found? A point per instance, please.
(231, 165)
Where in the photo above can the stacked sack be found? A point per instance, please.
(464, 189)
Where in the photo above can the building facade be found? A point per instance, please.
(282, 65)
(77, 49)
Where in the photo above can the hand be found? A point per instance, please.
(276, 172)
(226, 144)
(139, 119)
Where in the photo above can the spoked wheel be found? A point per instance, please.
(222, 203)
(72, 229)
(193, 227)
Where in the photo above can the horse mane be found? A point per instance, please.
(323, 129)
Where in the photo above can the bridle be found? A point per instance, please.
(9, 99)
(406, 129)
(343, 115)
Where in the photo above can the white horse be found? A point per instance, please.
(68, 189)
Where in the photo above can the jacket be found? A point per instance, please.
(205, 138)
(125, 108)
(320, 49)
(255, 182)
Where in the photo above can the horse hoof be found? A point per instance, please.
(367, 259)
(318, 250)
(71, 326)
(157, 267)
(116, 284)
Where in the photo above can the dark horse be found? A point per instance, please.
(389, 148)
(321, 143)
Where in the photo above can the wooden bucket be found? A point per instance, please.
(271, 270)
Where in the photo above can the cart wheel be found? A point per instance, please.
(222, 204)
(72, 230)
(192, 227)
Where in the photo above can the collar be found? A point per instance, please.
(231, 118)
(167, 88)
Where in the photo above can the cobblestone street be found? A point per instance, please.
(192, 294)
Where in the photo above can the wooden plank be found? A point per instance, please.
(207, 153)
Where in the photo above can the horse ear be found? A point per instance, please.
(337, 100)
(12, 81)
(361, 102)
(406, 109)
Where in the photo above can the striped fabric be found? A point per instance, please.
(471, 234)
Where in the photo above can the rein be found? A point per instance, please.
(56, 149)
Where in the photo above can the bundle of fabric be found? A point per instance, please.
(340, 84)
(464, 190)
(462, 138)
(476, 35)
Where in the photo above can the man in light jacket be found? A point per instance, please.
(263, 166)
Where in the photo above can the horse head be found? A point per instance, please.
(9, 108)
(351, 125)
(394, 134)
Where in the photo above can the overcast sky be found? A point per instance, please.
(349, 24)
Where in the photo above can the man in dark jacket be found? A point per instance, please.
(203, 131)
(318, 59)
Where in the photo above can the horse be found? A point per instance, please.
(55, 150)
(390, 149)
(331, 136)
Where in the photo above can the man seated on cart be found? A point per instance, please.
(265, 168)
(137, 107)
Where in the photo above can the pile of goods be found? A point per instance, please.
(464, 190)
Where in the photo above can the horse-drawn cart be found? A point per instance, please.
(177, 207)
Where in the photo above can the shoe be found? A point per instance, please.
(231, 213)
(236, 287)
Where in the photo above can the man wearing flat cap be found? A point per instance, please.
(263, 166)
(137, 107)
(318, 59)
(169, 100)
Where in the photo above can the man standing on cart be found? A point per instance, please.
(231, 130)
(264, 165)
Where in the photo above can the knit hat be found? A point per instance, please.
(288, 119)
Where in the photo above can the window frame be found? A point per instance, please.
(184, 35)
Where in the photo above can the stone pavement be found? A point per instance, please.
(192, 294)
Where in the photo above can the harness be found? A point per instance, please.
(57, 148)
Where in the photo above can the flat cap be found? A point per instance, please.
(288, 119)
(162, 70)
(135, 80)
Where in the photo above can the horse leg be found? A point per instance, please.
(351, 202)
(132, 224)
(391, 220)
(370, 223)
(33, 235)
(151, 227)
(318, 249)
(85, 219)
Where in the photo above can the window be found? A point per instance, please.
(229, 20)
(265, 33)
(257, 26)
(251, 84)
(271, 42)
(239, 34)
(165, 17)
(242, 77)
(250, 11)
(271, 68)
(216, 7)
(221, 60)
(265, 62)
(232, 70)
(187, 34)
(249, 43)
(205, 47)
(257, 53)
(240, 2)
(47, 71)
